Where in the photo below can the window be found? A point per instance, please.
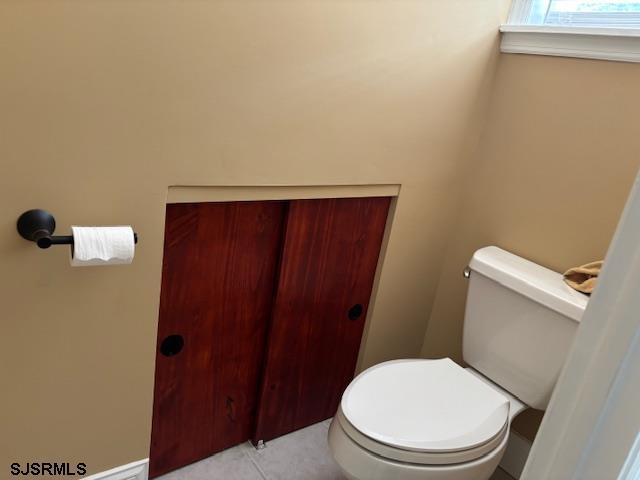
(601, 29)
(583, 13)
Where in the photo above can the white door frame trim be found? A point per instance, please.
(593, 419)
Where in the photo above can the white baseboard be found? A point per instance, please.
(515, 456)
(131, 471)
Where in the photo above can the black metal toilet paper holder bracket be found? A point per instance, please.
(38, 226)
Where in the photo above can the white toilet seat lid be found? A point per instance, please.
(424, 405)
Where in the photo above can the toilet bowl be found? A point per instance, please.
(452, 425)
(431, 419)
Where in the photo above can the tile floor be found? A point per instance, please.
(301, 455)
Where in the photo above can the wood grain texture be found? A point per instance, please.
(218, 279)
(328, 265)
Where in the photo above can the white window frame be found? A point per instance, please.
(602, 43)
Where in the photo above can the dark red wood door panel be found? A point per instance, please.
(218, 279)
(327, 270)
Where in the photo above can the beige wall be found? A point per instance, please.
(105, 104)
(549, 178)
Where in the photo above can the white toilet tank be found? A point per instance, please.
(519, 324)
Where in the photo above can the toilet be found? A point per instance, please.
(433, 419)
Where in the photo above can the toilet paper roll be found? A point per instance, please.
(102, 246)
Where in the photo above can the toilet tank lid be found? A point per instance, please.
(529, 279)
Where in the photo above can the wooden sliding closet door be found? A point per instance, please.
(218, 279)
(326, 274)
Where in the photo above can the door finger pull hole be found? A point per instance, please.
(172, 345)
(355, 311)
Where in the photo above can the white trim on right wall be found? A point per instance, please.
(631, 468)
(590, 428)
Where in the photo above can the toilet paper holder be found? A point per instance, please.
(38, 226)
